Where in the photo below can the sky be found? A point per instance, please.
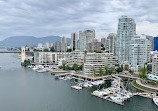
(42, 18)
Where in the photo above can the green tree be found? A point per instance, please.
(68, 67)
(143, 73)
(149, 67)
(46, 50)
(119, 69)
(52, 49)
(106, 70)
(131, 71)
(81, 67)
(94, 72)
(75, 67)
(69, 50)
(64, 67)
(60, 67)
(101, 72)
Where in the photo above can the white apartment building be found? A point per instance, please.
(85, 38)
(76, 57)
(63, 44)
(139, 52)
(155, 63)
(95, 61)
(50, 57)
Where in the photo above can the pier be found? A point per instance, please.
(85, 77)
(13, 52)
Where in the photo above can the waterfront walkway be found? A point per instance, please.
(147, 86)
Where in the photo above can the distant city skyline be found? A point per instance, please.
(58, 17)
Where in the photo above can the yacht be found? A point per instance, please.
(41, 70)
(61, 77)
(155, 99)
(77, 87)
(116, 98)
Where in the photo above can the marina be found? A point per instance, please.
(42, 91)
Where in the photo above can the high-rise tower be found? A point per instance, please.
(126, 31)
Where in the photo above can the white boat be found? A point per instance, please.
(68, 77)
(116, 98)
(77, 87)
(86, 85)
(95, 83)
(30, 66)
(61, 78)
(35, 68)
(155, 99)
(101, 81)
(41, 70)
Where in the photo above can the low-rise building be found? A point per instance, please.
(97, 61)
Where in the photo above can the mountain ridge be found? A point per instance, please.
(18, 41)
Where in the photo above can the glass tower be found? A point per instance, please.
(126, 31)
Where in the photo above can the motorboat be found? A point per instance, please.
(41, 70)
(95, 83)
(77, 87)
(61, 77)
(155, 99)
(30, 66)
(116, 98)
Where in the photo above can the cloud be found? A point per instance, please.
(62, 17)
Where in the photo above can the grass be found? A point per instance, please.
(134, 84)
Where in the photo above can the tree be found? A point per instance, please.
(52, 49)
(101, 71)
(46, 50)
(106, 70)
(68, 67)
(81, 67)
(143, 73)
(103, 48)
(60, 67)
(64, 67)
(131, 71)
(149, 67)
(69, 50)
(75, 67)
(119, 69)
(94, 72)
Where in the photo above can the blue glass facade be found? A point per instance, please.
(155, 43)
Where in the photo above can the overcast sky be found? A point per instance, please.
(62, 17)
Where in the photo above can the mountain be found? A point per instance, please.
(18, 41)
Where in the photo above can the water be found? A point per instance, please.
(25, 90)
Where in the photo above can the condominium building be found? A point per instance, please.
(110, 43)
(126, 30)
(74, 40)
(76, 57)
(95, 61)
(50, 57)
(57, 46)
(139, 52)
(103, 41)
(94, 45)
(63, 44)
(85, 38)
(40, 46)
(47, 45)
(155, 63)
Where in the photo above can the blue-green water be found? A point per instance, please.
(25, 90)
